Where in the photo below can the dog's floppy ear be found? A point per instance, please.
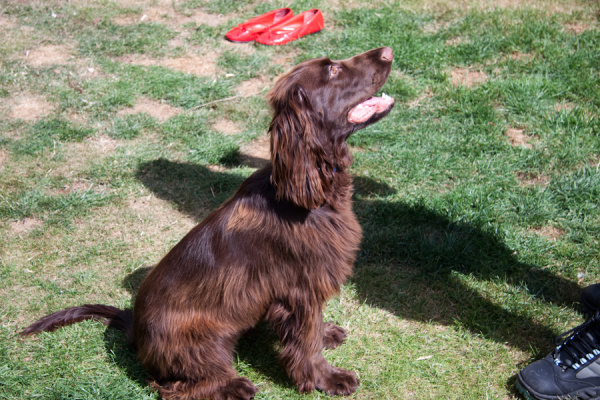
(300, 168)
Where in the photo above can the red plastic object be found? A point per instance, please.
(251, 29)
(308, 22)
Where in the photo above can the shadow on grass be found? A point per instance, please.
(124, 355)
(259, 347)
(195, 190)
(420, 265)
(133, 281)
(414, 262)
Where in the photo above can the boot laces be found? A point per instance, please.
(580, 345)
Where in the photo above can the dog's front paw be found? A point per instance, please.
(338, 382)
(236, 389)
(333, 336)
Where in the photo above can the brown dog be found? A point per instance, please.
(277, 250)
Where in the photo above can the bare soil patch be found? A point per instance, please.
(140, 3)
(80, 186)
(466, 77)
(6, 23)
(177, 42)
(155, 214)
(201, 18)
(253, 86)
(351, 5)
(197, 64)
(25, 225)
(86, 69)
(287, 59)
(426, 94)
(577, 28)
(78, 118)
(103, 144)
(455, 41)
(518, 56)
(28, 107)
(164, 12)
(3, 157)
(48, 55)
(568, 106)
(551, 232)
(435, 26)
(226, 126)
(156, 109)
(518, 138)
(151, 14)
(532, 179)
(257, 152)
(216, 168)
(80, 154)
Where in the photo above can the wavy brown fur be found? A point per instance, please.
(277, 250)
(111, 316)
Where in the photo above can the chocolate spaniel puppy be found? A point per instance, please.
(277, 250)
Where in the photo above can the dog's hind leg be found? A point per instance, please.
(301, 329)
(194, 364)
(236, 388)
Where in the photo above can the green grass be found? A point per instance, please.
(476, 244)
(108, 39)
(45, 135)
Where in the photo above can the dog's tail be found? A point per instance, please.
(111, 316)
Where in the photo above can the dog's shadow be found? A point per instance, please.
(420, 265)
(413, 262)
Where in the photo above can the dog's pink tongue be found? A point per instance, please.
(366, 109)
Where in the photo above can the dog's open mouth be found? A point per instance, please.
(370, 107)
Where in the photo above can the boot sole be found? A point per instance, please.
(584, 394)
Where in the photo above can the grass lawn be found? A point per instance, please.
(124, 123)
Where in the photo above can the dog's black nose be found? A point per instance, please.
(387, 54)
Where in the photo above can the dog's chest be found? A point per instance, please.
(338, 233)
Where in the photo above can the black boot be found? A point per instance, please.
(571, 371)
(590, 299)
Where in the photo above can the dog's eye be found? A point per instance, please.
(334, 70)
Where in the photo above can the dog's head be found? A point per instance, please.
(317, 106)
